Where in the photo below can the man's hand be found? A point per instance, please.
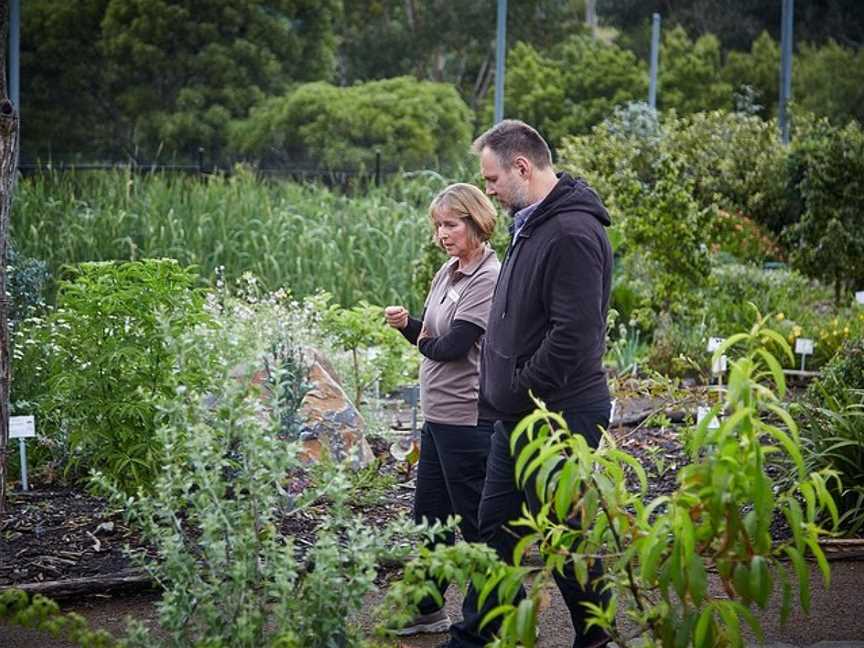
(396, 316)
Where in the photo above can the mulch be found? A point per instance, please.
(52, 535)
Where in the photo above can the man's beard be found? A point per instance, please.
(519, 202)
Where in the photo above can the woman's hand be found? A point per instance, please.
(396, 316)
(424, 333)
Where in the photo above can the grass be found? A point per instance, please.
(302, 237)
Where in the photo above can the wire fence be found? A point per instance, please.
(300, 172)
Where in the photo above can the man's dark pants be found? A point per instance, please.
(450, 481)
(502, 503)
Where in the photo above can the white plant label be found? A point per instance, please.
(804, 346)
(719, 365)
(701, 413)
(714, 344)
(859, 297)
(22, 427)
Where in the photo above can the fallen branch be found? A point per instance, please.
(127, 580)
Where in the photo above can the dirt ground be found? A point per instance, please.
(837, 615)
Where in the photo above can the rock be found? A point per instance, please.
(329, 419)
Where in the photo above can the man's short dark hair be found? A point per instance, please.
(510, 138)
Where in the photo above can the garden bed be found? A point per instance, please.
(69, 540)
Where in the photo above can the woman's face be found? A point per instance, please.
(454, 233)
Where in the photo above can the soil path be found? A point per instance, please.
(837, 615)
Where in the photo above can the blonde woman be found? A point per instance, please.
(454, 442)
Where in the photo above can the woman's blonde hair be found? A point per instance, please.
(466, 201)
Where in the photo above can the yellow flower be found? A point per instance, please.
(780, 316)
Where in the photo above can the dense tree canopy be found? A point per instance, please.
(165, 74)
(163, 79)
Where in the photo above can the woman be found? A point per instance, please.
(454, 444)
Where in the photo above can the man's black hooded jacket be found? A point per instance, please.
(547, 325)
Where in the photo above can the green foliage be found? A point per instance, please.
(832, 80)
(736, 161)
(657, 554)
(378, 352)
(172, 74)
(690, 79)
(828, 168)
(43, 614)
(298, 237)
(757, 70)
(664, 226)
(224, 496)
(572, 87)
(412, 123)
(442, 41)
(107, 358)
(833, 430)
(27, 280)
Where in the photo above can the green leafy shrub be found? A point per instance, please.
(828, 171)
(377, 351)
(571, 88)
(27, 281)
(690, 79)
(412, 123)
(221, 510)
(42, 614)
(833, 430)
(658, 554)
(107, 358)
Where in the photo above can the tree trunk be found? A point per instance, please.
(8, 170)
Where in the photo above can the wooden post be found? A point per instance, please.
(8, 171)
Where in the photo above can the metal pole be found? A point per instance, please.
(23, 452)
(500, 54)
(591, 16)
(655, 56)
(14, 52)
(786, 26)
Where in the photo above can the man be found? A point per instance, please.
(545, 335)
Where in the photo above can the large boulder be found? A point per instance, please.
(329, 423)
(329, 420)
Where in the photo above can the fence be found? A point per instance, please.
(299, 173)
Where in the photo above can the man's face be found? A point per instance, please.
(504, 184)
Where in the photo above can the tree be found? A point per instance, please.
(738, 22)
(415, 123)
(151, 76)
(573, 87)
(63, 88)
(690, 78)
(8, 171)
(758, 70)
(827, 167)
(829, 81)
(440, 40)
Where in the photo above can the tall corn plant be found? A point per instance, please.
(302, 237)
(658, 554)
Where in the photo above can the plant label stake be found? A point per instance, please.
(718, 368)
(714, 343)
(804, 347)
(859, 297)
(22, 427)
(702, 412)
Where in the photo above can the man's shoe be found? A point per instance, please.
(437, 621)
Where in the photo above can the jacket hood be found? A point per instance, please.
(570, 194)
